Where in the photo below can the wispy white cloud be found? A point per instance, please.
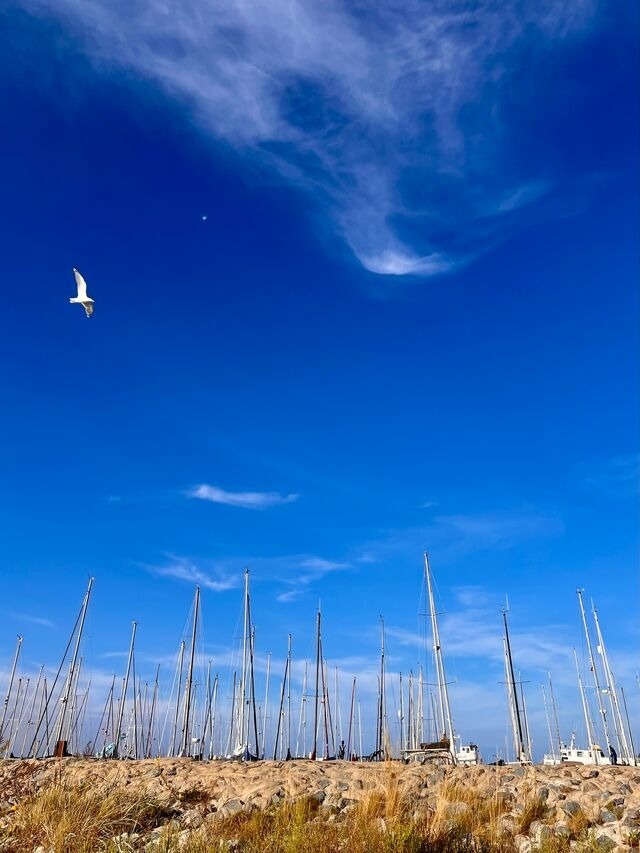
(184, 570)
(42, 621)
(309, 570)
(247, 500)
(393, 120)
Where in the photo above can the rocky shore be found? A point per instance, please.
(536, 802)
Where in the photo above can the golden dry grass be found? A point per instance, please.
(63, 818)
(459, 818)
(70, 819)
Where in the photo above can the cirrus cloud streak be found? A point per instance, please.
(246, 500)
(396, 121)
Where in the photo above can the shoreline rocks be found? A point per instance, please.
(536, 802)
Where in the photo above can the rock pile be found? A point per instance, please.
(536, 802)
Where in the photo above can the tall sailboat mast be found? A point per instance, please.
(185, 746)
(521, 750)
(9, 689)
(555, 712)
(618, 725)
(118, 734)
(381, 733)
(596, 680)
(313, 754)
(242, 739)
(445, 720)
(60, 746)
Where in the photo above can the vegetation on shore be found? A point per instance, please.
(77, 818)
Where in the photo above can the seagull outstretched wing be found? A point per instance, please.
(82, 285)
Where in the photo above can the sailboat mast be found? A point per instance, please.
(31, 711)
(446, 722)
(525, 716)
(555, 713)
(212, 730)
(289, 698)
(351, 709)
(613, 696)
(186, 724)
(252, 684)
(315, 709)
(59, 747)
(411, 716)
(14, 718)
(521, 752)
(548, 718)
(116, 752)
(242, 742)
(596, 681)
(11, 679)
(302, 721)
(280, 707)
(152, 714)
(382, 710)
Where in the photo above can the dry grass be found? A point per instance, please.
(71, 819)
(535, 808)
(459, 818)
(578, 824)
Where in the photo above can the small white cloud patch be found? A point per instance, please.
(246, 500)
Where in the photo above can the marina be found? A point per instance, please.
(250, 713)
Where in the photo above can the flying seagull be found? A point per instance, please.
(82, 298)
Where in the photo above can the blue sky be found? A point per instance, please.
(365, 285)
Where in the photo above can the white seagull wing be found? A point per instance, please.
(82, 285)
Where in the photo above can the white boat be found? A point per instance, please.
(571, 753)
(468, 754)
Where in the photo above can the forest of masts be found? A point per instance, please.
(48, 715)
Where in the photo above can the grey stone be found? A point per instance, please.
(543, 793)
(317, 798)
(570, 807)
(605, 843)
(277, 797)
(607, 816)
(523, 844)
(232, 807)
